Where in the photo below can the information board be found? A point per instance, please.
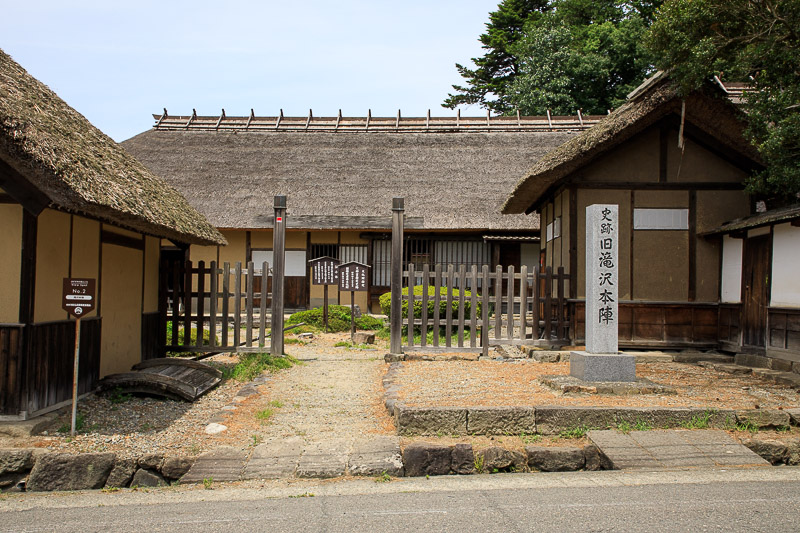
(353, 276)
(325, 271)
(78, 296)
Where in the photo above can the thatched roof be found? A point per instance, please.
(653, 101)
(453, 178)
(51, 152)
(767, 218)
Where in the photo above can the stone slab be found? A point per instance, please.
(696, 357)
(221, 464)
(602, 367)
(650, 357)
(274, 460)
(430, 421)
(324, 459)
(673, 449)
(602, 282)
(376, 456)
(27, 428)
(570, 384)
(501, 420)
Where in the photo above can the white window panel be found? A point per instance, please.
(550, 232)
(661, 219)
(295, 261)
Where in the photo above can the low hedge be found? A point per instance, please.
(386, 302)
(338, 319)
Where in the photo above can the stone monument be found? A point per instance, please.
(602, 361)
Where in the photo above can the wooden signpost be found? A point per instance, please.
(353, 276)
(77, 299)
(325, 271)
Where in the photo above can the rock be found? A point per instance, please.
(497, 459)
(430, 421)
(306, 336)
(553, 420)
(122, 473)
(731, 369)
(773, 451)
(363, 337)
(793, 452)
(561, 459)
(394, 357)
(425, 459)
(63, 471)
(790, 379)
(593, 460)
(15, 461)
(148, 478)
(545, 356)
(376, 456)
(176, 466)
(763, 418)
(214, 428)
(151, 461)
(752, 360)
(462, 459)
(794, 416)
(500, 420)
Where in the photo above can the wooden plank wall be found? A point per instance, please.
(151, 340)
(784, 331)
(10, 369)
(729, 328)
(49, 361)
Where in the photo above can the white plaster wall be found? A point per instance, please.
(295, 261)
(529, 255)
(785, 266)
(731, 270)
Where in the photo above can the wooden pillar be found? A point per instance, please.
(278, 268)
(396, 311)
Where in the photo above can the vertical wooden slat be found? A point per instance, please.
(485, 311)
(212, 310)
(226, 296)
(262, 319)
(498, 302)
(163, 297)
(201, 293)
(187, 305)
(176, 283)
(536, 303)
(510, 308)
(523, 302)
(562, 324)
(237, 304)
(462, 277)
(437, 302)
(411, 315)
(548, 303)
(449, 310)
(473, 302)
(426, 284)
(249, 305)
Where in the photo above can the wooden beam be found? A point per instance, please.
(109, 237)
(22, 190)
(27, 284)
(692, 245)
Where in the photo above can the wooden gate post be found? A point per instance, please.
(396, 310)
(278, 268)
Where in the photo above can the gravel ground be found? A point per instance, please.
(473, 383)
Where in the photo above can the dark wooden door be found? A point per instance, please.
(294, 292)
(755, 286)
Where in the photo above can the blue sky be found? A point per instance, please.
(117, 63)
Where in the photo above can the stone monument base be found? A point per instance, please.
(602, 367)
(569, 384)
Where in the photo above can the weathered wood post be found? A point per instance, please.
(278, 268)
(396, 310)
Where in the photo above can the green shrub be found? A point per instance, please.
(338, 319)
(192, 335)
(386, 302)
(251, 365)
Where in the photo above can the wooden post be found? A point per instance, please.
(278, 268)
(437, 302)
(426, 282)
(352, 316)
(325, 308)
(248, 299)
(212, 311)
(485, 311)
(262, 319)
(523, 302)
(398, 218)
(412, 315)
(75, 376)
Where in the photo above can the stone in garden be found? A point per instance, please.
(557, 459)
(148, 478)
(593, 458)
(772, 450)
(763, 418)
(323, 459)
(425, 459)
(601, 360)
(375, 456)
(122, 473)
(497, 459)
(14, 465)
(151, 461)
(793, 452)
(176, 466)
(363, 337)
(430, 421)
(462, 459)
(214, 428)
(63, 471)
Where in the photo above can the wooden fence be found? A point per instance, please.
(225, 308)
(485, 308)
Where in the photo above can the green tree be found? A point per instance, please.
(563, 55)
(757, 41)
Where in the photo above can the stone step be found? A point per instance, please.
(672, 449)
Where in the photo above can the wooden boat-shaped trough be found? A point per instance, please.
(171, 377)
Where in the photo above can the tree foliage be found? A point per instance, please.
(757, 41)
(560, 55)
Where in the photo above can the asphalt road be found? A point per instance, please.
(747, 500)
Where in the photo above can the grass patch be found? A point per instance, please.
(117, 396)
(640, 425)
(530, 438)
(478, 463)
(577, 432)
(251, 365)
(699, 421)
(292, 340)
(383, 478)
(264, 414)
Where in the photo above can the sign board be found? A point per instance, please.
(353, 276)
(324, 271)
(78, 296)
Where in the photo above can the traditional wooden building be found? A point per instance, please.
(340, 175)
(676, 168)
(760, 288)
(74, 204)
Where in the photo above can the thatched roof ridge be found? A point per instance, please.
(652, 101)
(451, 181)
(73, 166)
